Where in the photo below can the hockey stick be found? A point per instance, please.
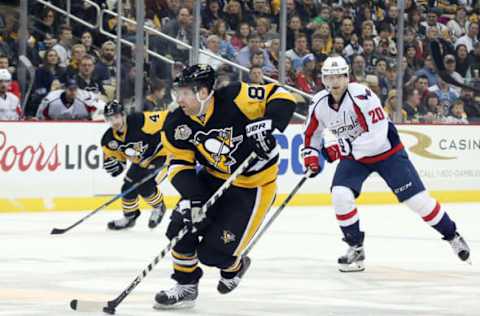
(58, 231)
(109, 307)
(277, 213)
(442, 72)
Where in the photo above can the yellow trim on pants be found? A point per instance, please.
(264, 200)
(184, 269)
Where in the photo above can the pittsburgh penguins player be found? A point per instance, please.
(218, 130)
(136, 138)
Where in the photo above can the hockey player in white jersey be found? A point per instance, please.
(10, 109)
(366, 142)
(68, 104)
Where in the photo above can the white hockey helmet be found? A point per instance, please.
(335, 65)
(5, 75)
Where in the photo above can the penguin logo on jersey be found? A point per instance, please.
(227, 237)
(134, 150)
(217, 146)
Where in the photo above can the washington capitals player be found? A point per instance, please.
(366, 142)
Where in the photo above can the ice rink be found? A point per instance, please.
(409, 269)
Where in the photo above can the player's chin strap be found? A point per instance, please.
(203, 103)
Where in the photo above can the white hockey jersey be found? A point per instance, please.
(359, 117)
(54, 106)
(10, 109)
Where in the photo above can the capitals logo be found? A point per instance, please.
(218, 146)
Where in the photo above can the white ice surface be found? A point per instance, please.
(409, 269)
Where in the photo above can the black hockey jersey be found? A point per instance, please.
(140, 142)
(218, 141)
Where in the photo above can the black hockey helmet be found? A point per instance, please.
(196, 76)
(112, 108)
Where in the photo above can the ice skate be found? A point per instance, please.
(460, 248)
(225, 285)
(157, 215)
(352, 261)
(181, 296)
(125, 222)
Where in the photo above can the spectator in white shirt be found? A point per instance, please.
(470, 38)
(63, 47)
(213, 47)
(10, 109)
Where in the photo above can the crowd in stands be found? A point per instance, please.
(247, 32)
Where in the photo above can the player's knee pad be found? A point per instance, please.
(421, 203)
(343, 199)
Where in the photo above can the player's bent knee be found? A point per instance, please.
(212, 257)
(343, 199)
(421, 203)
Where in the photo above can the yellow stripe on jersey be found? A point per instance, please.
(264, 200)
(113, 154)
(283, 94)
(178, 154)
(153, 121)
(261, 178)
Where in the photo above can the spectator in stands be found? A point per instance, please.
(310, 9)
(45, 76)
(105, 68)
(211, 14)
(414, 23)
(234, 15)
(450, 65)
(245, 54)
(353, 48)
(318, 46)
(346, 30)
(171, 13)
(48, 42)
(48, 24)
(432, 20)
(457, 114)
(471, 38)
(155, 100)
(325, 35)
(429, 71)
(14, 86)
(63, 47)
(290, 75)
(213, 47)
(86, 78)
(10, 109)
(263, 29)
(5, 49)
(87, 41)
(358, 69)
(385, 44)
(412, 59)
(306, 76)
(412, 105)
(240, 39)
(181, 29)
(462, 61)
(299, 51)
(261, 8)
(472, 106)
(337, 17)
(421, 85)
(391, 106)
(338, 45)
(78, 51)
(67, 104)
(226, 49)
(433, 110)
(255, 75)
(458, 25)
(368, 30)
(273, 52)
(446, 94)
(369, 54)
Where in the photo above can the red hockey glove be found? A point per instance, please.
(311, 160)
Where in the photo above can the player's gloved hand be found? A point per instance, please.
(260, 138)
(187, 213)
(337, 151)
(311, 160)
(113, 166)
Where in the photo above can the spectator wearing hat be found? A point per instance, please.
(450, 65)
(471, 38)
(306, 76)
(299, 51)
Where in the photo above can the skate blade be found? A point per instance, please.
(354, 267)
(180, 305)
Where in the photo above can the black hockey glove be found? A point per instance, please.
(260, 138)
(113, 166)
(187, 213)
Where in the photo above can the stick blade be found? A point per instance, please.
(57, 231)
(87, 306)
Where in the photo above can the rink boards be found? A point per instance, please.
(58, 166)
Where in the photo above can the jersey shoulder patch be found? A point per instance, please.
(108, 139)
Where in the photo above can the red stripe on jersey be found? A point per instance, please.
(381, 157)
(349, 215)
(45, 112)
(312, 126)
(90, 108)
(432, 214)
(361, 118)
(19, 111)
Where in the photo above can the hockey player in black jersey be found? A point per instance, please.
(219, 130)
(136, 138)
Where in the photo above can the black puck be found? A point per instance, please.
(73, 304)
